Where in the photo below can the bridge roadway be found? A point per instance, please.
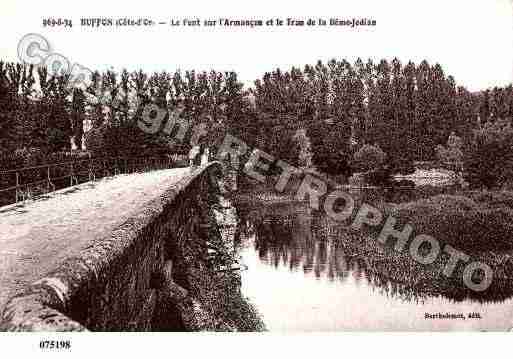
(38, 235)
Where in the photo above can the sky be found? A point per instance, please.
(471, 39)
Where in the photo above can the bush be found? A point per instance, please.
(330, 148)
(30, 156)
(451, 156)
(489, 161)
(95, 141)
(369, 157)
(460, 221)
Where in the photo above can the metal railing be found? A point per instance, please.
(31, 182)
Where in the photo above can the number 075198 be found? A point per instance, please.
(55, 344)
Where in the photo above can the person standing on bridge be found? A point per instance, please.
(205, 154)
(193, 155)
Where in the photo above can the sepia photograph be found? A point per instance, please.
(270, 167)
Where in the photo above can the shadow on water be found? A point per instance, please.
(290, 235)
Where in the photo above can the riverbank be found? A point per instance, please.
(475, 222)
(207, 290)
(219, 292)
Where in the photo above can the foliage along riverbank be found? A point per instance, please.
(475, 222)
(207, 292)
(234, 311)
(478, 223)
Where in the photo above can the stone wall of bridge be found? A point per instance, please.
(156, 271)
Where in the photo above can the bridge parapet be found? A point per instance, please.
(139, 276)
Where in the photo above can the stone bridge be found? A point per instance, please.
(128, 253)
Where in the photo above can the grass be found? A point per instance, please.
(478, 223)
(475, 222)
(418, 281)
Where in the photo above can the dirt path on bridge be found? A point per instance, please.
(39, 235)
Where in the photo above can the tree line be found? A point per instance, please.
(44, 112)
(405, 109)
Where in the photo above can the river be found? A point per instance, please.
(302, 277)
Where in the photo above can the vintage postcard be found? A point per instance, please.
(255, 167)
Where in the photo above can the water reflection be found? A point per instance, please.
(289, 237)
